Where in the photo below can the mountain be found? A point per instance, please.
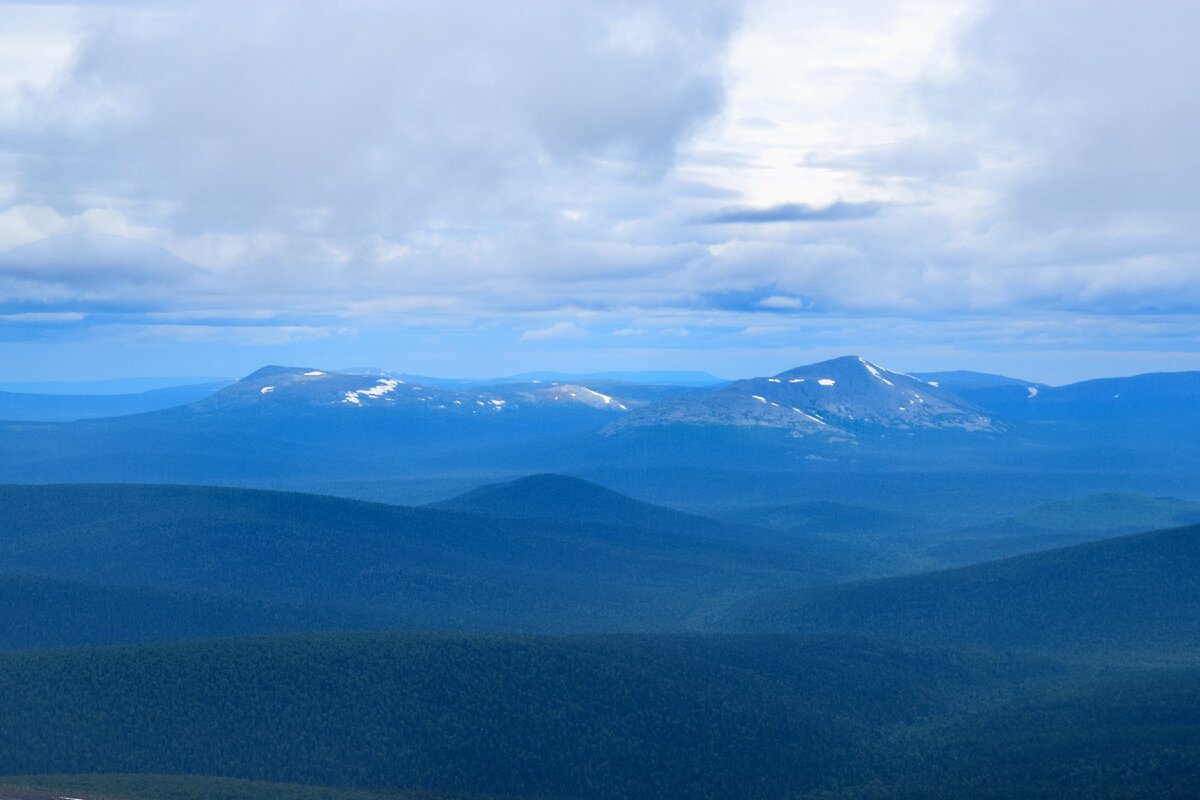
(673, 379)
(650, 377)
(288, 424)
(962, 381)
(276, 387)
(394, 566)
(1169, 400)
(276, 390)
(285, 425)
(831, 399)
(1149, 404)
(1002, 396)
(1138, 595)
(301, 427)
(66, 407)
(294, 388)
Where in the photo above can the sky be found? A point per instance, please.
(470, 188)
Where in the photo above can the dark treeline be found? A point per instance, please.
(1065, 673)
(649, 717)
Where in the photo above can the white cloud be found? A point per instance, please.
(314, 119)
(559, 330)
(220, 334)
(783, 302)
(464, 167)
(43, 316)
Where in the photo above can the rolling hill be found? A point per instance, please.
(565, 499)
(831, 517)
(408, 567)
(1137, 596)
(1062, 523)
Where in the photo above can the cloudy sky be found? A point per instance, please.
(478, 188)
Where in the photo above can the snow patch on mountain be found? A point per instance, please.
(842, 397)
(874, 371)
(382, 387)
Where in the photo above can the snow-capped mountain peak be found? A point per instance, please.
(830, 397)
(276, 388)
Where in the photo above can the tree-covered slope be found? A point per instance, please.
(1062, 523)
(1131, 734)
(186, 787)
(831, 517)
(567, 499)
(606, 717)
(574, 501)
(611, 717)
(42, 612)
(411, 567)
(1139, 594)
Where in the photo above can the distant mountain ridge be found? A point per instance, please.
(108, 386)
(300, 425)
(295, 387)
(960, 380)
(22, 406)
(830, 399)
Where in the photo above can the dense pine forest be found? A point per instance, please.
(158, 631)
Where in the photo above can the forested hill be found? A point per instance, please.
(566, 499)
(607, 718)
(42, 612)
(1137, 594)
(189, 787)
(403, 567)
(611, 717)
